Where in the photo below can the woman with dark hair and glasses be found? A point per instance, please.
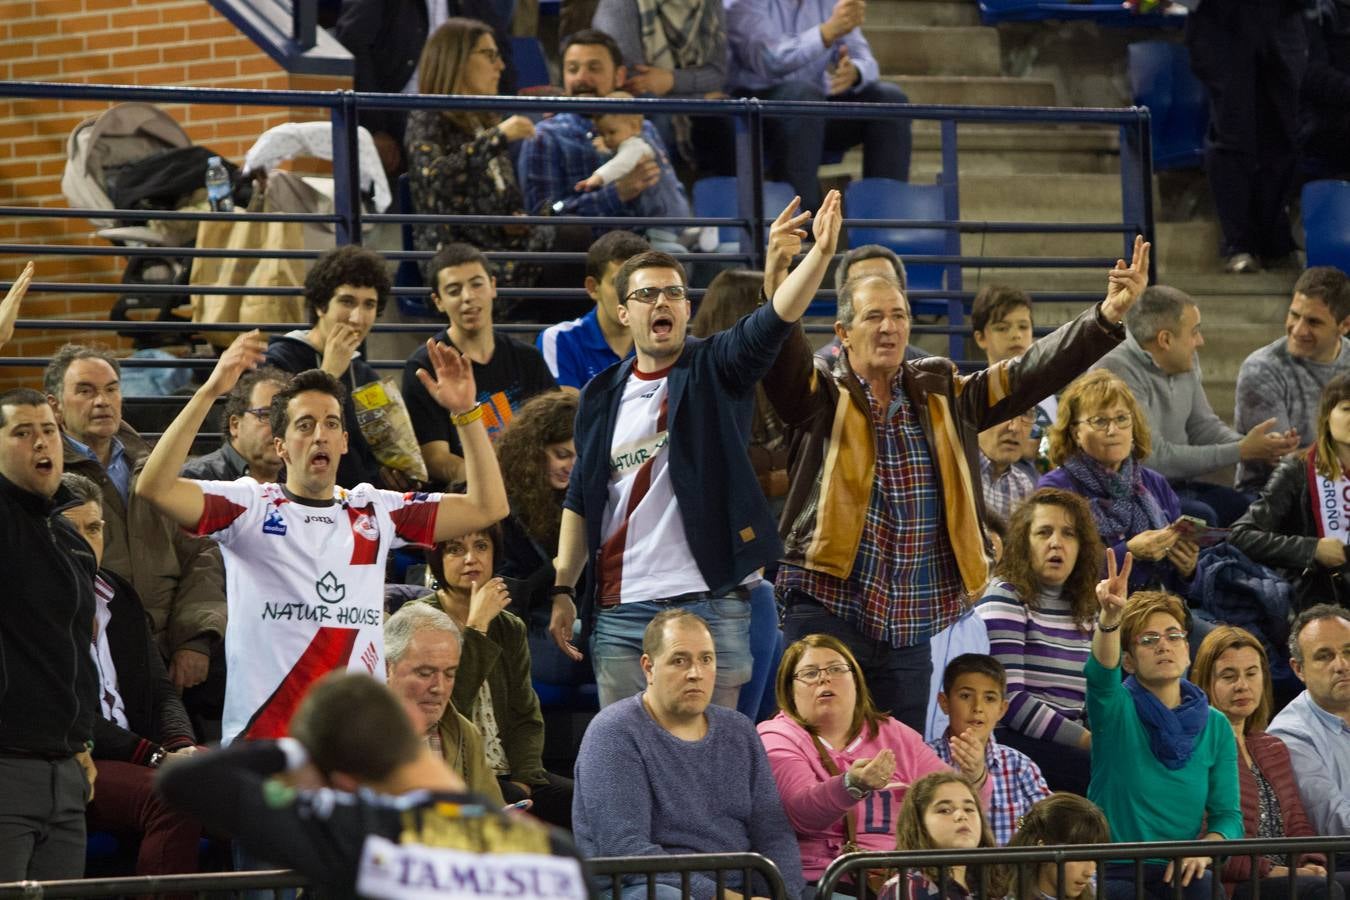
(1099, 442)
(842, 765)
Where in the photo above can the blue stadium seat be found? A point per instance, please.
(1103, 12)
(886, 198)
(531, 66)
(715, 197)
(1161, 79)
(408, 274)
(1326, 220)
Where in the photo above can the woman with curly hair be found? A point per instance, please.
(536, 454)
(1038, 610)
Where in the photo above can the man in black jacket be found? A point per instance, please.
(46, 676)
(141, 721)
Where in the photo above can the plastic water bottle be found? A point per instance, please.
(218, 187)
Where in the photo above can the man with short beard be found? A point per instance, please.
(248, 448)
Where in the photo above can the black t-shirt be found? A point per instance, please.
(515, 373)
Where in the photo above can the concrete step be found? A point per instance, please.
(976, 90)
(1006, 150)
(947, 13)
(910, 50)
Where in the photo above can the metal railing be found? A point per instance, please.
(750, 115)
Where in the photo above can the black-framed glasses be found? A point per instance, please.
(1101, 423)
(1152, 638)
(650, 295)
(492, 53)
(263, 413)
(813, 674)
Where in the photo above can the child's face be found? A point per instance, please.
(952, 819)
(976, 703)
(1078, 877)
(614, 130)
(1008, 337)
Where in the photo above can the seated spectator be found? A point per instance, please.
(178, 577)
(1099, 441)
(1324, 97)
(1315, 726)
(1284, 379)
(665, 772)
(141, 721)
(345, 292)
(787, 50)
(870, 259)
(1005, 484)
(493, 682)
(578, 350)
(1164, 766)
(1159, 362)
(1039, 610)
(843, 766)
(1232, 669)
(506, 372)
(458, 160)
(1298, 523)
(248, 448)
(376, 803)
(562, 153)
(422, 648)
(974, 697)
(1059, 820)
(942, 812)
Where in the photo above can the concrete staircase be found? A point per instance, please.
(938, 52)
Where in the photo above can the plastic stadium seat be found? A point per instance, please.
(1103, 12)
(531, 66)
(886, 198)
(1161, 79)
(716, 198)
(408, 274)
(1326, 220)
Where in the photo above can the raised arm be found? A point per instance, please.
(799, 288)
(1111, 594)
(9, 307)
(484, 499)
(179, 498)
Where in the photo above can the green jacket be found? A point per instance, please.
(462, 748)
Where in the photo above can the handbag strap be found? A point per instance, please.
(850, 827)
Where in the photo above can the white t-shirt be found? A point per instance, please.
(644, 554)
(305, 587)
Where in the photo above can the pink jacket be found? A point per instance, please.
(816, 802)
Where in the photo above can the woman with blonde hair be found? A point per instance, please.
(1099, 441)
(458, 160)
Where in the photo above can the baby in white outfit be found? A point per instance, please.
(622, 136)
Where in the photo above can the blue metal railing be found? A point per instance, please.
(347, 217)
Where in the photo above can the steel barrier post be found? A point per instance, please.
(1136, 183)
(346, 170)
(949, 178)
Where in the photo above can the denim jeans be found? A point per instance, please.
(1120, 883)
(616, 645)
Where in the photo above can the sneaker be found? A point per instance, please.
(1241, 264)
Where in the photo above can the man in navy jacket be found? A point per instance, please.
(663, 501)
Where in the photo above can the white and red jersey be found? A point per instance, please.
(305, 587)
(644, 554)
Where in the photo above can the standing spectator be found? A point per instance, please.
(870, 259)
(1232, 669)
(663, 499)
(178, 577)
(1315, 726)
(1002, 325)
(46, 774)
(248, 448)
(459, 162)
(1159, 364)
(667, 772)
(814, 50)
(505, 371)
(882, 524)
(578, 350)
(1005, 484)
(1250, 56)
(1164, 765)
(305, 560)
(1324, 101)
(141, 721)
(1284, 379)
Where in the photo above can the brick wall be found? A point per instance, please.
(146, 42)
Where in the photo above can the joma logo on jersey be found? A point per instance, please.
(327, 520)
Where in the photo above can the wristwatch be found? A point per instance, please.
(856, 791)
(156, 758)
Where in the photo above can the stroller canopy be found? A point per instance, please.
(125, 133)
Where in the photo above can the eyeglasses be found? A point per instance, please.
(1101, 423)
(650, 295)
(263, 413)
(813, 674)
(492, 53)
(1151, 638)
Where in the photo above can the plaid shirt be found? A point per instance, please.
(561, 154)
(1016, 781)
(1003, 492)
(905, 586)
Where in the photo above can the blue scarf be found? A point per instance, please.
(1171, 732)
(1120, 502)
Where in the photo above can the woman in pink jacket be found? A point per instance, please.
(843, 766)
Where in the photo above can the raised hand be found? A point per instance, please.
(9, 307)
(453, 385)
(486, 602)
(1126, 283)
(245, 352)
(785, 242)
(829, 219)
(339, 349)
(874, 773)
(968, 753)
(1114, 589)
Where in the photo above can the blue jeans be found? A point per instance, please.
(1217, 504)
(766, 648)
(616, 645)
(1120, 883)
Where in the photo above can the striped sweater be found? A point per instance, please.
(1044, 652)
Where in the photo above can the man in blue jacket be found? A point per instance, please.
(663, 501)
